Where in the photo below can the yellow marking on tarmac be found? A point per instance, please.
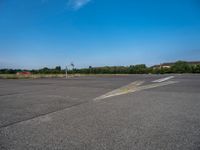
(133, 87)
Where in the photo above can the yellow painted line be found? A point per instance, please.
(133, 87)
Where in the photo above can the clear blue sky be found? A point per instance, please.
(39, 33)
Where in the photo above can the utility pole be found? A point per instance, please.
(66, 72)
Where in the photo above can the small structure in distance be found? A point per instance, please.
(24, 73)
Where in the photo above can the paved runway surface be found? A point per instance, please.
(139, 112)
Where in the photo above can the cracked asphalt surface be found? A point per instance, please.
(62, 114)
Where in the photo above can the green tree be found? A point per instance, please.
(58, 68)
(181, 67)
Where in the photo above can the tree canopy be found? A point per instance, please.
(178, 67)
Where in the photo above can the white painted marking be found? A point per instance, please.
(123, 90)
(156, 85)
(163, 79)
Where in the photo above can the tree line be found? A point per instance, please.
(178, 67)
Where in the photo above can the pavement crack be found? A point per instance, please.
(42, 114)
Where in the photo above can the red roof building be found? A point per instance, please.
(23, 73)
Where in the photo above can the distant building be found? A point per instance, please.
(24, 73)
(168, 65)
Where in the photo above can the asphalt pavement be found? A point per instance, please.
(130, 112)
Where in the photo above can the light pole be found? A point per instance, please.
(72, 64)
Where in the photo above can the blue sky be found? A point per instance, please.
(39, 33)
